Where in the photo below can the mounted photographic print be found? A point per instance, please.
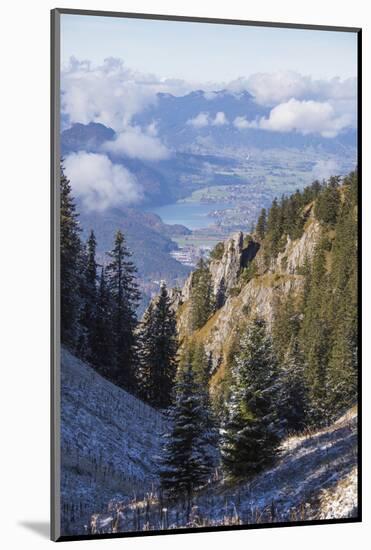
(205, 202)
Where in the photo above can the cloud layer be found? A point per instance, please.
(99, 183)
(132, 142)
(205, 119)
(112, 94)
(305, 117)
(273, 88)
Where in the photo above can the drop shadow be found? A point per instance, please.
(41, 528)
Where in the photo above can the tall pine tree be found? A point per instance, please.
(123, 288)
(202, 298)
(315, 336)
(293, 397)
(101, 342)
(185, 462)
(158, 346)
(88, 289)
(261, 224)
(71, 264)
(251, 431)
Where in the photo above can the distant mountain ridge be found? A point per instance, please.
(149, 240)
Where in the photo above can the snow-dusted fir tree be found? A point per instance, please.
(186, 463)
(71, 265)
(293, 400)
(201, 368)
(123, 288)
(157, 350)
(251, 431)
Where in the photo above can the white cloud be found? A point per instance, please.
(241, 123)
(211, 95)
(200, 121)
(99, 183)
(220, 119)
(133, 143)
(205, 119)
(108, 94)
(273, 88)
(305, 117)
(151, 129)
(111, 93)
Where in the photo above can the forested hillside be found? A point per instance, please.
(296, 274)
(259, 345)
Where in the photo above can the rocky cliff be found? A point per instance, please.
(245, 296)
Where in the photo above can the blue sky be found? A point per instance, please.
(208, 52)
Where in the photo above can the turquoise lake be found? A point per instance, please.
(193, 215)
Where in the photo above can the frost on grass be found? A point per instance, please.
(108, 441)
(315, 478)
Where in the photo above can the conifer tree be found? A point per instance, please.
(261, 224)
(202, 298)
(123, 288)
(158, 345)
(185, 464)
(88, 291)
(201, 368)
(70, 258)
(273, 231)
(293, 390)
(328, 202)
(286, 324)
(101, 342)
(220, 295)
(343, 361)
(315, 336)
(251, 431)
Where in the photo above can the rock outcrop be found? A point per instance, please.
(243, 300)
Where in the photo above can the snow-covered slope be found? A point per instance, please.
(108, 439)
(314, 478)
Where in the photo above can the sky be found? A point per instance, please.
(112, 69)
(204, 52)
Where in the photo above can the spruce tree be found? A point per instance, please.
(261, 224)
(89, 300)
(315, 337)
(101, 341)
(71, 264)
(202, 298)
(251, 431)
(293, 390)
(343, 361)
(123, 288)
(158, 345)
(328, 202)
(201, 368)
(185, 464)
(220, 295)
(273, 231)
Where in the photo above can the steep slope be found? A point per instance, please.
(246, 298)
(314, 478)
(108, 441)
